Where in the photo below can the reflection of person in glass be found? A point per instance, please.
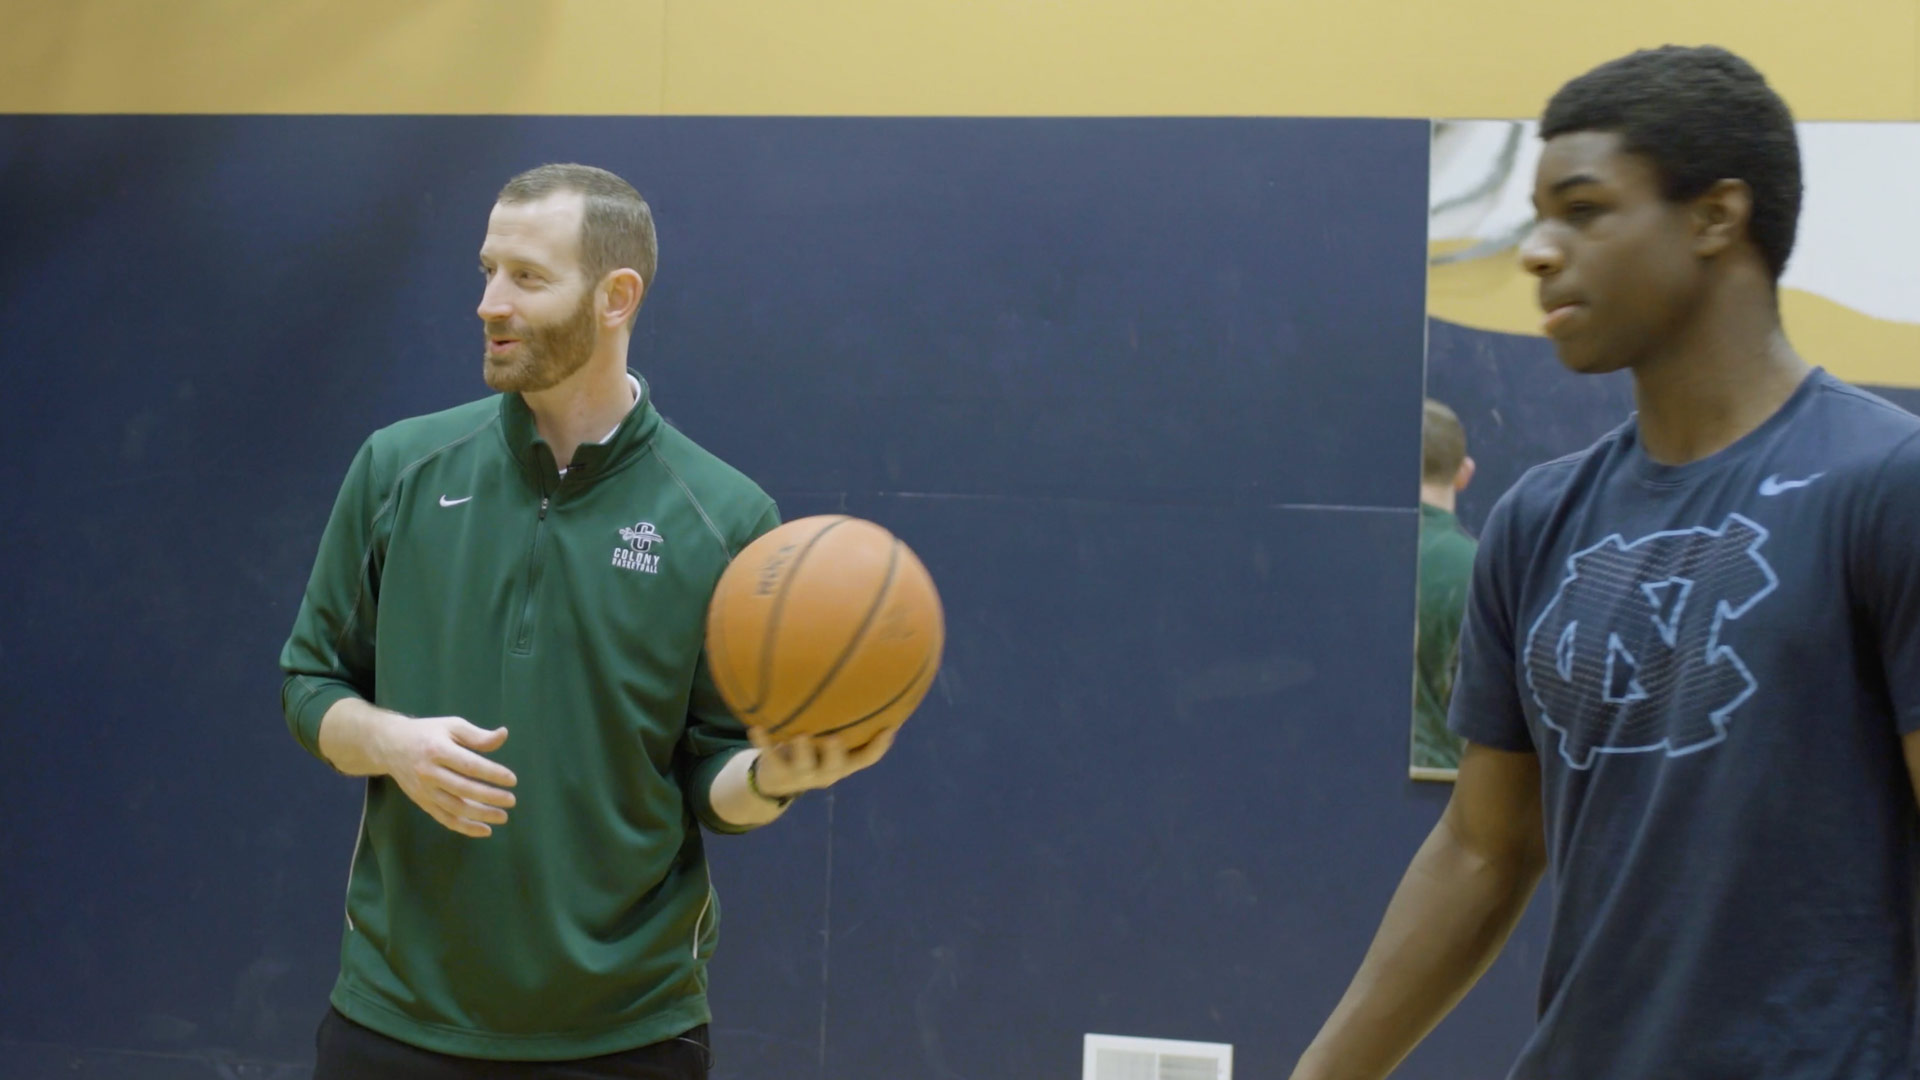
(1446, 565)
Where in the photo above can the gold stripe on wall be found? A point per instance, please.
(337, 56)
(1409, 58)
(1492, 58)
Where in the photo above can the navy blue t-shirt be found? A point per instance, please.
(1715, 663)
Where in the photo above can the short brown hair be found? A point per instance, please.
(616, 225)
(1443, 444)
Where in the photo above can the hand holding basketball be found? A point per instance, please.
(806, 763)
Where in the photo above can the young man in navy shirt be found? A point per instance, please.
(1690, 666)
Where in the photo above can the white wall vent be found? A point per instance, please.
(1124, 1057)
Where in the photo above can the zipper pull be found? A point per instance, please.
(543, 506)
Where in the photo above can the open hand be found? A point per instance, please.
(436, 761)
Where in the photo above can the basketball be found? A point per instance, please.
(826, 625)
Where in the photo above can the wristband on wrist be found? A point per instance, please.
(753, 785)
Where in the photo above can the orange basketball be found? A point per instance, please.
(826, 625)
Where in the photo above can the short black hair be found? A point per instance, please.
(1700, 115)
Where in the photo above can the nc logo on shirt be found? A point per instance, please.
(1630, 656)
(638, 554)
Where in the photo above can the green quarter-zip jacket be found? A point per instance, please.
(462, 575)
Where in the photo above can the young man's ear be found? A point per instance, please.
(1721, 216)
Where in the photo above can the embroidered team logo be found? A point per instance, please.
(1632, 655)
(638, 554)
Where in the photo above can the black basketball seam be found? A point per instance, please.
(890, 703)
(779, 608)
(853, 643)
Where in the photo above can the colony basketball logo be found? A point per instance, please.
(1632, 655)
(638, 554)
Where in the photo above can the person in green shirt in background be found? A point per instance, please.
(1446, 564)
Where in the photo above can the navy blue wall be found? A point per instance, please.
(1521, 407)
(1144, 395)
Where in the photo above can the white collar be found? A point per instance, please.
(635, 383)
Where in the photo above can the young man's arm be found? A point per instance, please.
(1458, 902)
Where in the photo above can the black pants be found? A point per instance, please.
(348, 1051)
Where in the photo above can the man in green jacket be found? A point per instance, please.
(539, 561)
(1446, 565)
